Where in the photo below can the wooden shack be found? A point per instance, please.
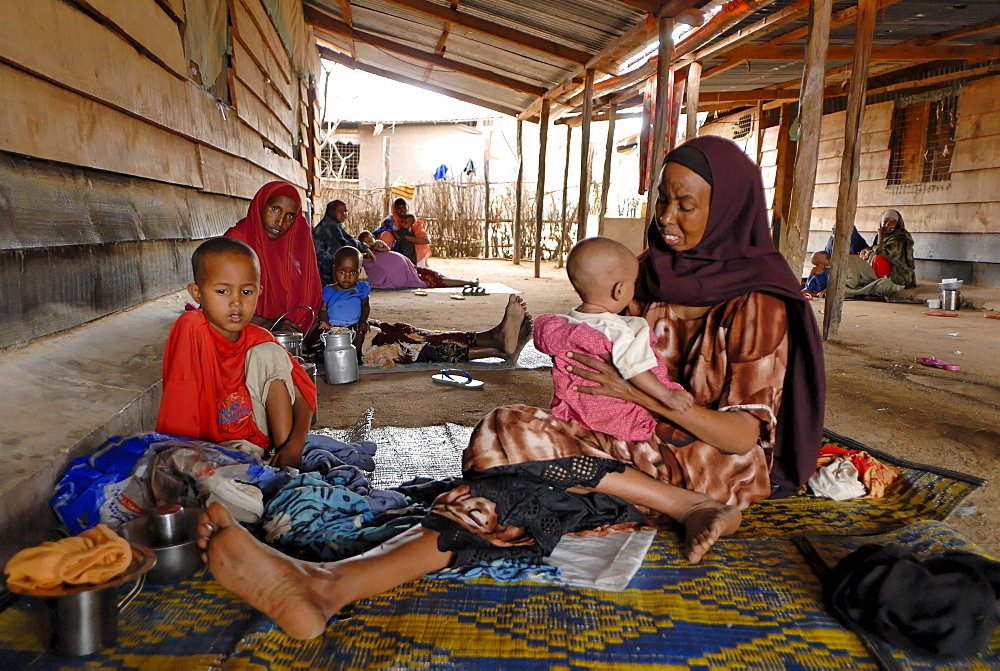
(131, 130)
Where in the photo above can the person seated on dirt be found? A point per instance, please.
(389, 232)
(891, 255)
(392, 270)
(345, 302)
(860, 280)
(734, 329)
(226, 379)
(329, 235)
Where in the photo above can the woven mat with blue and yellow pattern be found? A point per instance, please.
(753, 602)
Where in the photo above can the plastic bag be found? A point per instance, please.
(102, 487)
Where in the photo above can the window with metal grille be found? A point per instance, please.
(923, 140)
(340, 160)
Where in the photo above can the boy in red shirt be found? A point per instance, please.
(218, 368)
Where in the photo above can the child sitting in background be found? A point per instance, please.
(345, 302)
(603, 273)
(218, 368)
(406, 238)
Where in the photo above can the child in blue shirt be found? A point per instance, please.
(345, 302)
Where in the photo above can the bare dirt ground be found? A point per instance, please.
(876, 393)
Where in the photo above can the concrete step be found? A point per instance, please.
(64, 395)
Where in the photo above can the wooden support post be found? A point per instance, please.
(564, 233)
(386, 146)
(795, 234)
(486, 196)
(693, 92)
(760, 131)
(583, 209)
(847, 196)
(518, 188)
(664, 86)
(543, 141)
(609, 150)
(782, 175)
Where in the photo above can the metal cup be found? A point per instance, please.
(85, 622)
(167, 525)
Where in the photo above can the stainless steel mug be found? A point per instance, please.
(951, 299)
(84, 622)
(168, 525)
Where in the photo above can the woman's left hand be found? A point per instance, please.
(610, 382)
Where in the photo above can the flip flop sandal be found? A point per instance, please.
(453, 376)
(419, 292)
(478, 291)
(458, 297)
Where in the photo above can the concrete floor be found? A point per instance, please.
(63, 395)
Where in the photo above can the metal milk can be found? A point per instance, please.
(340, 357)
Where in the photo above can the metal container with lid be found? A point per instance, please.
(290, 340)
(340, 357)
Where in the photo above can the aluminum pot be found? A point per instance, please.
(290, 340)
(176, 560)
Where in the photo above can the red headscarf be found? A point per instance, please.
(737, 256)
(288, 267)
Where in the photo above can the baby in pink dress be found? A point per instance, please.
(603, 272)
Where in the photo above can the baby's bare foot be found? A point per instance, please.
(706, 523)
(289, 591)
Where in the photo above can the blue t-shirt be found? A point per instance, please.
(343, 308)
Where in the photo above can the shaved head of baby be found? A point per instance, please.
(603, 272)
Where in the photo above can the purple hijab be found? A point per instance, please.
(736, 256)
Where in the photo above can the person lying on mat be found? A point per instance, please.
(226, 379)
(390, 232)
(733, 328)
(392, 270)
(603, 273)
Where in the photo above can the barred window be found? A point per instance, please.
(340, 160)
(923, 140)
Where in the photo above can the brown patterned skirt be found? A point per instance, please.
(523, 470)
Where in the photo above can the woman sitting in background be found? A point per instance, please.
(390, 231)
(892, 253)
(329, 235)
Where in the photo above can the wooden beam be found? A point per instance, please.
(543, 145)
(664, 88)
(693, 90)
(794, 235)
(496, 30)
(648, 6)
(345, 12)
(838, 20)
(715, 97)
(327, 23)
(766, 25)
(487, 151)
(331, 55)
(782, 182)
(895, 53)
(731, 13)
(847, 196)
(583, 209)
(607, 60)
(957, 33)
(609, 150)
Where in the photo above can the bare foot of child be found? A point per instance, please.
(706, 523)
(282, 588)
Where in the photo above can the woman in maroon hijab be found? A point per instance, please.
(734, 329)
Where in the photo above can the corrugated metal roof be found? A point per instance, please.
(577, 31)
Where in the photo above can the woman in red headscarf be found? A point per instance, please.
(275, 228)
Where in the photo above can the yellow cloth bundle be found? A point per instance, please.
(95, 556)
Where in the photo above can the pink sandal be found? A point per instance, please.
(934, 362)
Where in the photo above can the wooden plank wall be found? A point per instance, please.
(97, 90)
(955, 224)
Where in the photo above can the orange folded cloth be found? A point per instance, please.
(95, 556)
